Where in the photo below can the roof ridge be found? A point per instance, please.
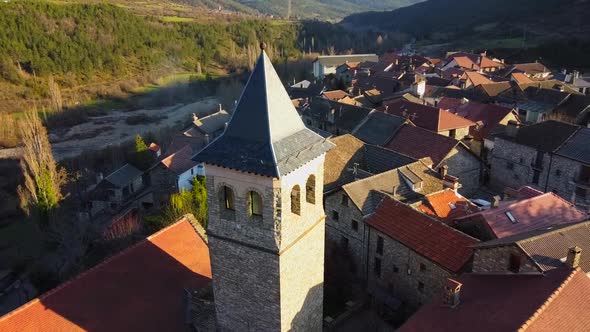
(92, 269)
(266, 96)
(548, 302)
(580, 224)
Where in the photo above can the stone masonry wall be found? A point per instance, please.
(404, 282)
(562, 181)
(337, 229)
(467, 167)
(497, 260)
(511, 165)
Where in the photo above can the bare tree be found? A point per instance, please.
(55, 95)
(41, 191)
(331, 50)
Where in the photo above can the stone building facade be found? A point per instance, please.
(570, 180)
(466, 166)
(346, 231)
(515, 165)
(402, 273)
(505, 259)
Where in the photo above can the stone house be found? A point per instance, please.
(508, 218)
(459, 160)
(570, 170)
(537, 251)
(174, 173)
(117, 188)
(326, 64)
(410, 255)
(431, 118)
(554, 301)
(347, 208)
(332, 116)
(526, 156)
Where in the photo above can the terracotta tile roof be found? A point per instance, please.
(521, 193)
(139, 289)
(493, 89)
(521, 78)
(531, 68)
(529, 214)
(566, 310)
(476, 78)
(489, 63)
(154, 147)
(452, 73)
(446, 205)
(556, 301)
(180, 161)
(335, 95)
(449, 103)
(419, 143)
(427, 117)
(432, 239)
(487, 116)
(466, 62)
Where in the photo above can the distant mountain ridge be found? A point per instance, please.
(566, 17)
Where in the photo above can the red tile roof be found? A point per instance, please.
(432, 239)
(449, 103)
(556, 301)
(446, 204)
(427, 117)
(180, 161)
(489, 63)
(452, 73)
(530, 214)
(139, 289)
(466, 62)
(476, 78)
(419, 143)
(488, 116)
(154, 147)
(521, 78)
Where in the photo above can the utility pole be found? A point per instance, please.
(288, 9)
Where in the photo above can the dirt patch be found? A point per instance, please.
(121, 127)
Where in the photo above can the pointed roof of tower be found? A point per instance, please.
(265, 135)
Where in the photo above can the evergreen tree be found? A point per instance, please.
(140, 145)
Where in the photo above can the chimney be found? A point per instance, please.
(443, 170)
(576, 74)
(207, 140)
(496, 201)
(573, 257)
(452, 293)
(451, 182)
(195, 117)
(512, 128)
(220, 108)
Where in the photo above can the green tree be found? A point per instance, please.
(44, 180)
(140, 145)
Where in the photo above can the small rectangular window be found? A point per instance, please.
(422, 267)
(377, 267)
(335, 215)
(344, 200)
(380, 245)
(509, 165)
(354, 225)
(420, 286)
(395, 269)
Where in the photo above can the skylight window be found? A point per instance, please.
(511, 217)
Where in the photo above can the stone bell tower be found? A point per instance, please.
(266, 215)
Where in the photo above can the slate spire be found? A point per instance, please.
(265, 131)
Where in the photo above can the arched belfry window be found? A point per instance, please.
(296, 200)
(254, 204)
(228, 198)
(310, 189)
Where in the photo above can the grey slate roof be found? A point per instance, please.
(577, 147)
(265, 135)
(378, 128)
(548, 247)
(546, 136)
(123, 176)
